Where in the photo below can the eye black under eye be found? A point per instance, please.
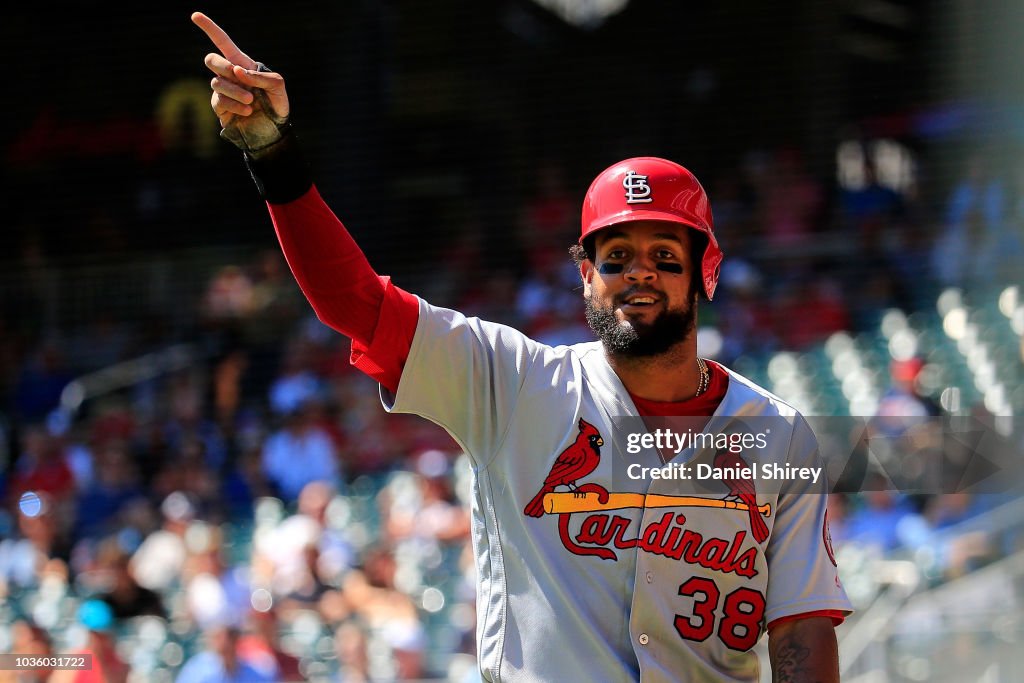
(671, 268)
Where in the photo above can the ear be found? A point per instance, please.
(586, 275)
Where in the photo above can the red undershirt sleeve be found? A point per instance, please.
(344, 290)
(383, 358)
(835, 615)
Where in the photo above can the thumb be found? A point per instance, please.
(271, 82)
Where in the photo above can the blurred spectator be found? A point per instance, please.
(744, 317)
(261, 647)
(114, 420)
(229, 295)
(967, 251)
(158, 562)
(547, 303)
(908, 280)
(188, 423)
(297, 383)
(949, 509)
(879, 523)
(903, 398)
(114, 486)
(227, 386)
(494, 299)
(431, 513)
(277, 304)
(69, 438)
(541, 296)
(107, 666)
(382, 441)
(979, 191)
(300, 452)
(956, 553)
(119, 589)
(41, 468)
(245, 482)
(25, 556)
(806, 316)
(407, 642)
(215, 592)
(868, 209)
(187, 470)
(31, 640)
(350, 645)
(303, 557)
(307, 586)
(389, 613)
(965, 254)
(277, 299)
(219, 661)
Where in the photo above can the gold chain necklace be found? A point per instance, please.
(705, 377)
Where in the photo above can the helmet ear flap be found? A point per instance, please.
(698, 245)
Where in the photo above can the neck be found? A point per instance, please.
(670, 376)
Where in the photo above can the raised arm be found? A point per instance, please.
(251, 103)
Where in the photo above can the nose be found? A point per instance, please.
(641, 269)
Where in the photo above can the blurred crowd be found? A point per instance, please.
(260, 511)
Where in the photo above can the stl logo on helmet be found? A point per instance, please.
(637, 189)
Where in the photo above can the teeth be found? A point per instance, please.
(641, 300)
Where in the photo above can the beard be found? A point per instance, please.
(632, 339)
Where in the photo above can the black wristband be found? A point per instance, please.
(282, 174)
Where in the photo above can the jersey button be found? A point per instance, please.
(644, 639)
(650, 577)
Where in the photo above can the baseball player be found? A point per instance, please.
(585, 575)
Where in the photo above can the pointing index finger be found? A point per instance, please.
(223, 42)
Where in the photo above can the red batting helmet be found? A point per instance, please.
(653, 189)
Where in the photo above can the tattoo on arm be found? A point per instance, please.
(804, 651)
(790, 659)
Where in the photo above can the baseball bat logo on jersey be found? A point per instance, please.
(637, 189)
(601, 533)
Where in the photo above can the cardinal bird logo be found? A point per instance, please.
(743, 489)
(575, 462)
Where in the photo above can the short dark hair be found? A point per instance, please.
(584, 252)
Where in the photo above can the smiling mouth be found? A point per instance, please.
(639, 300)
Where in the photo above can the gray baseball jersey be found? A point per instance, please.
(586, 575)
